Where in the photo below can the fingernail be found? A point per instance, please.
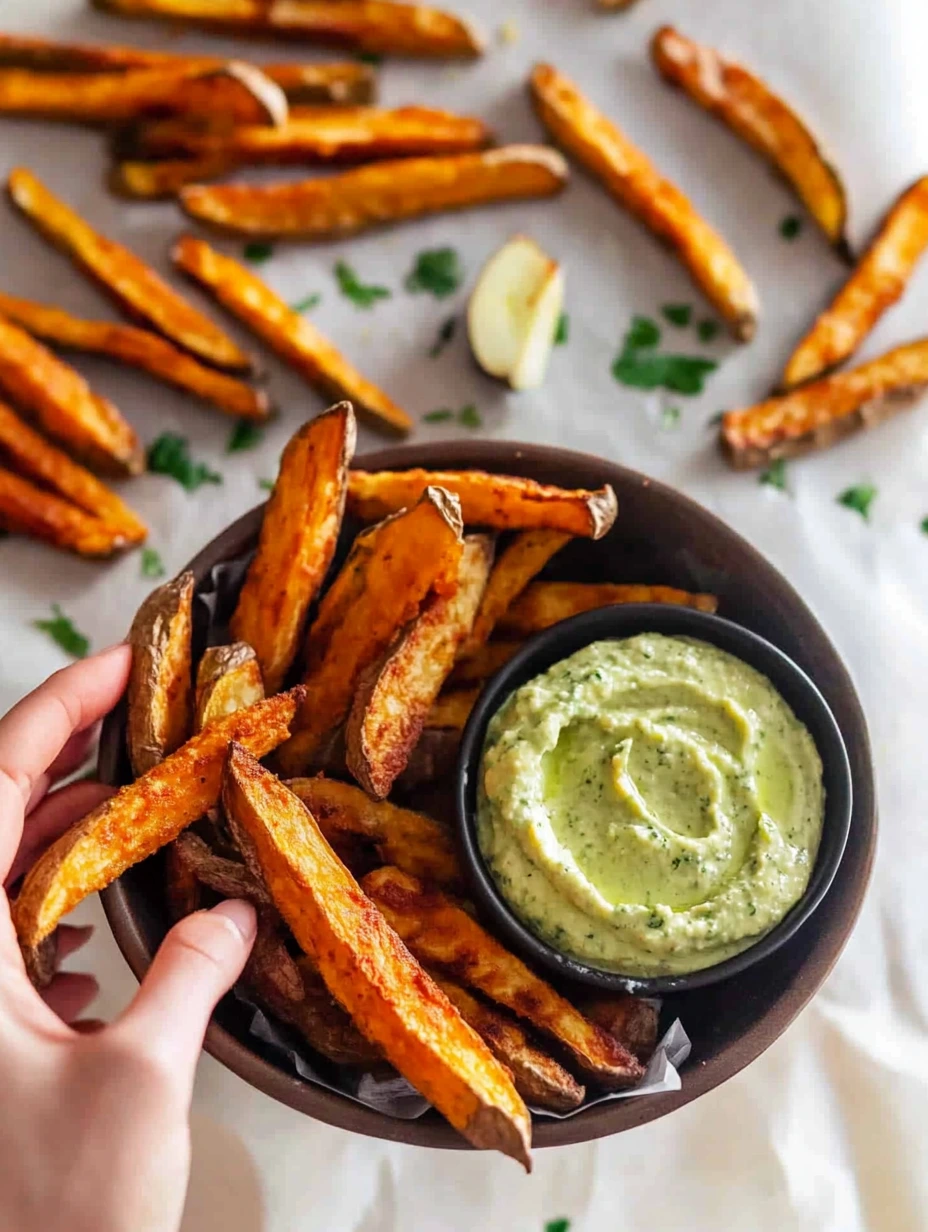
(241, 914)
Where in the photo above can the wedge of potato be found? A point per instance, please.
(384, 192)
(635, 183)
(441, 933)
(228, 679)
(230, 878)
(367, 968)
(161, 181)
(28, 510)
(299, 535)
(432, 759)
(631, 1020)
(288, 333)
(543, 604)
(876, 284)
(483, 663)
(143, 816)
(64, 405)
(139, 348)
(500, 502)
(823, 412)
(395, 693)
(134, 286)
(746, 104)
(183, 891)
(452, 709)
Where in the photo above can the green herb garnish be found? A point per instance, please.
(924, 526)
(438, 271)
(442, 415)
(61, 630)
(643, 333)
(557, 1225)
(443, 337)
(308, 303)
(562, 332)
(266, 485)
(152, 564)
(170, 455)
(641, 367)
(361, 295)
(670, 417)
(678, 314)
(707, 330)
(775, 475)
(716, 419)
(790, 226)
(258, 251)
(370, 57)
(859, 498)
(245, 435)
(470, 417)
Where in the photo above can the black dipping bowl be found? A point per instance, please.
(562, 640)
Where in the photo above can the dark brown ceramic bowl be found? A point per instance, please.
(660, 536)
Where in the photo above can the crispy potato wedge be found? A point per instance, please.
(64, 405)
(441, 933)
(538, 1078)
(367, 968)
(387, 577)
(631, 1020)
(410, 840)
(746, 104)
(385, 192)
(299, 535)
(634, 182)
(432, 759)
(134, 286)
(230, 878)
(139, 348)
(162, 181)
(228, 679)
(877, 282)
(182, 889)
(501, 502)
(483, 663)
(160, 695)
(395, 694)
(288, 333)
(41, 961)
(376, 26)
(143, 816)
(543, 604)
(525, 556)
(28, 510)
(823, 412)
(452, 709)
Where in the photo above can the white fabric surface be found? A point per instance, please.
(826, 1131)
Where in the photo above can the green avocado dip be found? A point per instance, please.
(650, 805)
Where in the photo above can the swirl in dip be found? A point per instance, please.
(650, 805)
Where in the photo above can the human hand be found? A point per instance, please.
(94, 1133)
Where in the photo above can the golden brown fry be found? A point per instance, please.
(431, 760)
(631, 1020)
(228, 679)
(376, 26)
(824, 412)
(381, 587)
(381, 193)
(632, 179)
(289, 333)
(162, 180)
(438, 931)
(135, 286)
(182, 890)
(484, 663)
(748, 106)
(230, 878)
(143, 816)
(28, 510)
(877, 282)
(546, 603)
(395, 694)
(299, 535)
(452, 709)
(139, 348)
(41, 961)
(502, 502)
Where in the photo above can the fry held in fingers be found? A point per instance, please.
(543, 604)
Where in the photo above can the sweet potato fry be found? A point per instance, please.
(824, 412)
(501, 502)
(748, 106)
(60, 400)
(538, 1078)
(441, 933)
(385, 192)
(878, 281)
(363, 25)
(483, 663)
(543, 604)
(390, 572)
(452, 709)
(230, 878)
(143, 816)
(367, 968)
(395, 693)
(139, 348)
(228, 679)
(527, 555)
(631, 1020)
(162, 181)
(135, 286)
(634, 182)
(28, 510)
(289, 333)
(299, 535)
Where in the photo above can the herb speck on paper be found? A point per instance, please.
(678, 314)
(362, 295)
(443, 337)
(707, 330)
(670, 418)
(307, 303)
(170, 455)
(924, 526)
(444, 414)
(245, 435)
(715, 420)
(557, 1225)
(370, 57)
(437, 271)
(860, 498)
(562, 331)
(61, 630)
(266, 485)
(790, 226)
(151, 564)
(775, 475)
(640, 366)
(257, 252)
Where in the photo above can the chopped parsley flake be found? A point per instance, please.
(641, 367)
(678, 314)
(557, 1225)
(924, 526)
(152, 565)
(258, 251)
(859, 498)
(307, 303)
(362, 295)
(775, 475)
(266, 485)
(470, 417)
(562, 332)
(170, 455)
(643, 333)
(442, 415)
(707, 330)
(790, 226)
(443, 337)
(670, 417)
(438, 271)
(60, 629)
(245, 435)
(370, 57)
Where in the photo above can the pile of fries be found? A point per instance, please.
(339, 861)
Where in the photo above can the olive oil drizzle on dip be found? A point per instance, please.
(650, 805)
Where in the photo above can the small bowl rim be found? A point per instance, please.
(610, 624)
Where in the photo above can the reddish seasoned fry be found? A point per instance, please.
(452, 709)
(62, 402)
(438, 931)
(546, 603)
(878, 281)
(367, 968)
(748, 106)
(631, 1020)
(395, 694)
(634, 182)
(135, 287)
(484, 663)
(143, 816)
(228, 679)
(139, 348)
(229, 878)
(289, 333)
(822, 413)
(28, 510)
(298, 539)
(502, 502)
(381, 193)
(363, 25)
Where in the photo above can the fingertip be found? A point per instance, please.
(241, 915)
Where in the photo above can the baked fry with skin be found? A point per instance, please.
(483, 663)
(632, 1020)
(230, 878)
(452, 709)
(29, 510)
(228, 679)
(543, 604)
(630, 177)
